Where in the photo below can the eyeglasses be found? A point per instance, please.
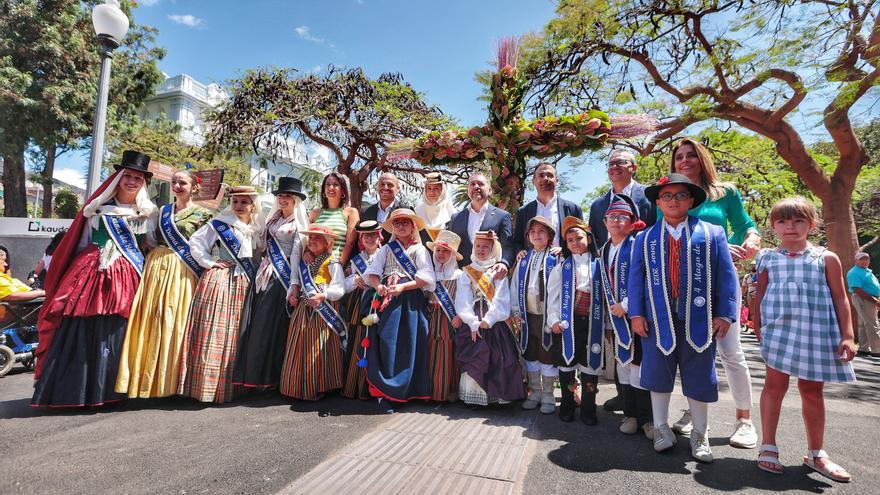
(618, 163)
(680, 196)
(402, 222)
(617, 218)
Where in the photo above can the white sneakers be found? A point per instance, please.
(685, 424)
(629, 426)
(700, 449)
(664, 438)
(744, 435)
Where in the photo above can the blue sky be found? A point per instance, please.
(437, 46)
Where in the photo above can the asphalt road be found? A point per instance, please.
(262, 444)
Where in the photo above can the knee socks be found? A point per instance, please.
(660, 407)
(700, 415)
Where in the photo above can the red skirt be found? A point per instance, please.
(86, 291)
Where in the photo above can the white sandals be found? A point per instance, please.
(828, 469)
(769, 459)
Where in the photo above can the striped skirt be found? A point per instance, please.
(356, 376)
(441, 356)
(211, 339)
(313, 357)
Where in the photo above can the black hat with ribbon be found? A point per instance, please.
(290, 185)
(134, 160)
(653, 192)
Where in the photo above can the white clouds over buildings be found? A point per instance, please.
(186, 20)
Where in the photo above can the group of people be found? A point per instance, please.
(428, 303)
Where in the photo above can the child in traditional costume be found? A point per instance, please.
(266, 318)
(211, 340)
(316, 339)
(442, 317)
(575, 320)
(485, 348)
(622, 221)
(805, 330)
(529, 287)
(397, 347)
(681, 293)
(361, 300)
(89, 291)
(150, 365)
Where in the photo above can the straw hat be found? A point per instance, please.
(492, 236)
(403, 213)
(328, 234)
(243, 191)
(543, 221)
(448, 240)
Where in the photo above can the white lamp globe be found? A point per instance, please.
(109, 21)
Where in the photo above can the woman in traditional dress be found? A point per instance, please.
(442, 317)
(95, 273)
(397, 347)
(315, 344)
(266, 318)
(336, 214)
(151, 354)
(435, 209)
(485, 349)
(210, 342)
(360, 301)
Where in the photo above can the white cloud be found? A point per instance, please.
(147, 3)
(304, 33)
(186, 20)
(70, 176)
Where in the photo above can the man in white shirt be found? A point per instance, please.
(480, 215)
(387, 187)
(548, 204)
(621, 168)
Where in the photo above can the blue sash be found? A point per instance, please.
(125, 241)
(280, 263)
(614, 293)
(227, 237)
(328, 314)
(175, 240)
(360, 264)
(403, 259)
(596, 356)
(523, 280)
(695, 298)
(567, 302)
(445, 300)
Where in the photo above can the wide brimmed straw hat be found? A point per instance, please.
(403, 213)
(328, 234)
(243, 191)
(448, 240)
(653, 192)
(543, 221)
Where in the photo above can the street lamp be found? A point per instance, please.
(110, 24)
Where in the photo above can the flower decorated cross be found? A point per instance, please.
(507, 140)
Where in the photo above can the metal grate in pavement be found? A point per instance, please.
(427, 453)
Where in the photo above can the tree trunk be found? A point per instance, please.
(356, 189)
(48, 172)
(14, 188)
(840, 226)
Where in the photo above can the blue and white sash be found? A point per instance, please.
(125, 241)
(445, 301)
(616, 292)
(360, 264)
(280, 263)
(567, 302)
(595, 342)
(325, 310)
(176, 241)
(232, 244)
(695, 296)
(522, 284)
(403, 259)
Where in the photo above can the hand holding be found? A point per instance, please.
(846, 350)
(617, 310)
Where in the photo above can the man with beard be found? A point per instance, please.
(387, 187)
(479, 215)
(548, 205)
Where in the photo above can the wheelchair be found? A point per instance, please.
(18, 334)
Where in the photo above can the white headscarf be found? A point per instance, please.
(136, 214)
(252, 229)
(445, 269)
(436, 215)
(489, 262)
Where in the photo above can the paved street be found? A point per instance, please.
(262, 444)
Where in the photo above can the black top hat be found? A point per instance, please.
(135, 160)
(290, 185)
(699, 194)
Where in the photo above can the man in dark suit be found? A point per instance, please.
(479, 215)
(621, 168)
(548, 205)
(387, 187)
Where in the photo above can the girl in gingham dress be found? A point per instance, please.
(805, 331)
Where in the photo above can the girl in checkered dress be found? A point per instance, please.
(805, 331)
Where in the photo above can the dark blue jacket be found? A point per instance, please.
(564, 208)
(496, 220)
(647, 211)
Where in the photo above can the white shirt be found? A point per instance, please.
(381, 214)
(384, 263)
(475, 220)
(676, 231)
(202, 243)
(626, 190)
(499, 308)
(550, 211)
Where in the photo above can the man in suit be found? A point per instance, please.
(621, 168)
(479, 215)
(548, 205)
(387, 186)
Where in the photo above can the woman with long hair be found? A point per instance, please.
(151, 353)
(337, 214)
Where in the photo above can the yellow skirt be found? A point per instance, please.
(150, 363)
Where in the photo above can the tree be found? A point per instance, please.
(66, 203)
(353, 116)
(49, 64)
(161, 140)
(751, 63)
